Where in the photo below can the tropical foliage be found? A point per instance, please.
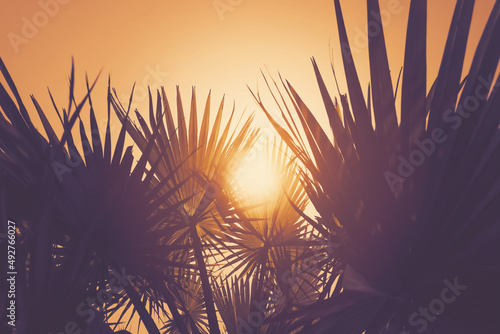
(406, 201)
(413, 204)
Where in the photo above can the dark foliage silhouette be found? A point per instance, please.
(413, 204)
(406, 237)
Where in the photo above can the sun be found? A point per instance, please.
(257, 181)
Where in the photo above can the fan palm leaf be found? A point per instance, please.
(273, 260)
(186, 149)
(413, 204)
(96, 216)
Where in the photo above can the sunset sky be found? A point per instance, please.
(218, 45)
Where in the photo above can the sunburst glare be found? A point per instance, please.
(256, 180)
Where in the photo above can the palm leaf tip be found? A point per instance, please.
(384, 232)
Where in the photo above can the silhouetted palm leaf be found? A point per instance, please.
(185, 150)
(403, 235)
(90, 216)
(271, 250)
(192, 306)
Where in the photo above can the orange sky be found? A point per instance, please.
(197, 45)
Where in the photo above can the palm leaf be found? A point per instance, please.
(403, 236)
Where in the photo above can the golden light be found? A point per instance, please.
(257, 181)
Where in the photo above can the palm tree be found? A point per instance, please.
(86, 220)
(269, 253)
(184, 150)
(413, 204)
(192, 309)
(405, 239)
(91, 217)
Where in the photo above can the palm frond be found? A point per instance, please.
(405, 232)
